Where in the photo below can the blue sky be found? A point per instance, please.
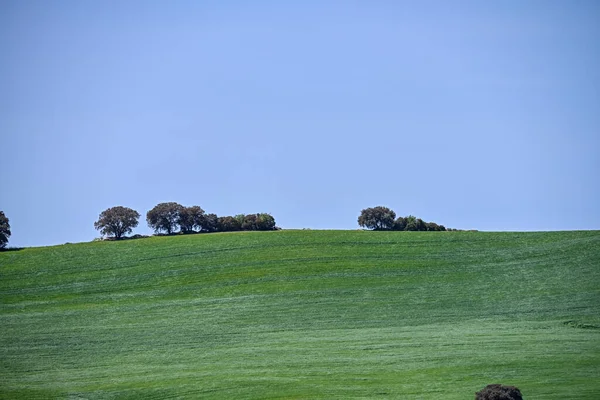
(473, 114)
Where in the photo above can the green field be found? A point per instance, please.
(303, 314)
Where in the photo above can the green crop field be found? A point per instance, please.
(302, 315)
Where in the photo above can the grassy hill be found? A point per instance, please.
(303, 314)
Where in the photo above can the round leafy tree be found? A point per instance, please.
(117, 221)
(191, 218)
(4, 230)
(164, 217)
(265, 222)
(378, 218)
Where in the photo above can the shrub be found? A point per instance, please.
(499, 392)
(412, 223)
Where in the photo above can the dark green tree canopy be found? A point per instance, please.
(432, 226)
(415, 224)
(164, 217)
(377, 218)
(240, 218)
(382, 218)
(228, 224)
(117, 221)
(4, 230)
(499, 392)
(210, 223)
(400, 224)
(249, 223)
(265, 222)
(191, 218)
(256, 222)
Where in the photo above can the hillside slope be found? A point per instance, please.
(303, 314)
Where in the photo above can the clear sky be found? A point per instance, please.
(473, 114)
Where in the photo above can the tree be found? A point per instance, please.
(411, 223)
(164, 217)
(499, 392)
(228, 224)
(377, 218)
(265, 222)
(421, 225)
(249, 223)
(210, 223)
(240, 218)
(4, 230)
(400, 224)
(117, 221)
(432, 226)
(190, 218)
(258, 222)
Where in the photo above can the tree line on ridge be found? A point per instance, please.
(383, 219)
(169, 218)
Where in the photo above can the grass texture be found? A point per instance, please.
(303, 315)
